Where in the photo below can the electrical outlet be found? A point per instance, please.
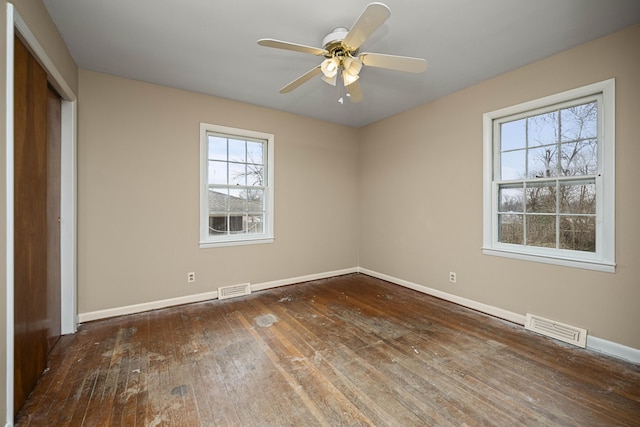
(191, 277)
(452, 277)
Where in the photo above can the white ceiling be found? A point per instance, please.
(209, 46)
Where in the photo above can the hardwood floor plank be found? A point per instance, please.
(351, 350)
(306, 376)
(160, 402)
(136, 398)
(73, 394)
(197, 351)
(216, 390)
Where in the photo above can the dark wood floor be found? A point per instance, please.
(351, 350)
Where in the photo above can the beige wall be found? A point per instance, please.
(36, 17)
(138, 196)
(421, 187)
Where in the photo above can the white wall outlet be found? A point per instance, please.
(452, 277)
(191, 277)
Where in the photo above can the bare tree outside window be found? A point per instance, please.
(254, 177)
(551, 160)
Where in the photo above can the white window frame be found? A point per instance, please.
(603, 259)
(267, 236)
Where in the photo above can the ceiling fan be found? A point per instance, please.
(340, 50)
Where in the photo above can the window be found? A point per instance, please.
(549, 179)
(236, 180)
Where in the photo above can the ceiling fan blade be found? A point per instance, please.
(371, 19)
(302, 79)
(291, 46)
(355, 91)
(394, 62)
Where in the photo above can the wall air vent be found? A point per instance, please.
(559, 331)
(234, 291)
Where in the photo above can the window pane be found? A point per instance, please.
(578, 233)
(255, 200)
(217, 173)
(541, 230)
(510, 229)
(513, 135)
(543, 162)
(255, 152)
(541, 197)
(217, 148)
(578, 198)
(237, 174)
(579, 122)
(237, 151)
(236, 223)
(511, 198)
(580, 158)
(217, 224)
(255, 223)
(218, 201)
(255, 175)
(543, 129)
(512, 165)
(237, 202)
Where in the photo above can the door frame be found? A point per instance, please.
(68, 192)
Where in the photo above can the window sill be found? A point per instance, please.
(236, 242)
(565, 262)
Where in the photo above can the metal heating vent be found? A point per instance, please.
(234, 291)
(559, 331)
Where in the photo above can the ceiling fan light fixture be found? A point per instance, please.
(351, 70)
(330, 67)
(349, 78)
(352, 64)
(331, 80)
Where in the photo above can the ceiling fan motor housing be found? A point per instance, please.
(332, 43)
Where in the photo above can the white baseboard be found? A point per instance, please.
(613, 349)
(307, 278)
(146, 306)
(484, 308)
(154, 305)
(593, 343)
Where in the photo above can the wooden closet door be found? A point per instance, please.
(33, 299)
